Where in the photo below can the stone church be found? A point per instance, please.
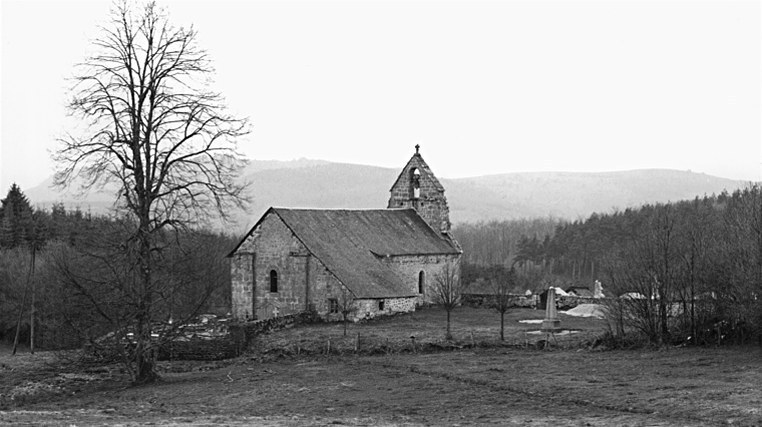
(381, 261)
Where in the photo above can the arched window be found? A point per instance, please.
(421, 281)
(416, 182)
(273, 281)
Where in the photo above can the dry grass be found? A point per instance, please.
(470, 326)
(473, 386)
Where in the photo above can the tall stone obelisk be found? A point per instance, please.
(551, 323)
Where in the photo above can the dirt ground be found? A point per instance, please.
(481, 385)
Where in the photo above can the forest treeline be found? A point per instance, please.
(497, 242)
(688, 271)
(682, 271)
(62, 273)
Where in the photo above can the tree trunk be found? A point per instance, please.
(620, 323)
(145, 357)
(502, 326)
(23, 303)
(31, 310)
(663, 330)
(449, 334)
(694, 332)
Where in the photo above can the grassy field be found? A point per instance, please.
(516, 384)
(469, 326)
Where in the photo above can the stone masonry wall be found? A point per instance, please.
(409, 267)
(241, 286)
(245, 332)
(431, 203)
(369, 308)
(272, 246)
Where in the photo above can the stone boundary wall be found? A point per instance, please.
(569, 302)
(217, 348)
(220, 347)
(234, 342)
(224, 342)
(562, 302)
(486, 300)
(244, 332)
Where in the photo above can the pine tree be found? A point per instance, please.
(16, 218)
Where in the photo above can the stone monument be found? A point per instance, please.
(598, 290)
(551, 323)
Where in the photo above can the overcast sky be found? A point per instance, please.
(484, 87)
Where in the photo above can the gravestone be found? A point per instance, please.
(598, 290)
(551, 323)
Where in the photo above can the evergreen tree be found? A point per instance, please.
(16, 217)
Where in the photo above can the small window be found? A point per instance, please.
(416, 182)
(273, 281)
(333, 305)
(381, 305)
(421, 281)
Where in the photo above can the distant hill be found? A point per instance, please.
(320, 184)
(45, 195)
(571, 195)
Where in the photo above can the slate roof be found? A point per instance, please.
(352, 243)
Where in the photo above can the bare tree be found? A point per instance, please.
(645, 274)
(98, 281)
(742, 250)
(156, 131)
(447, 290)
(502, 284)
(346, 306)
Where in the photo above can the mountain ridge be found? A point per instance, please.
(308, 183)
